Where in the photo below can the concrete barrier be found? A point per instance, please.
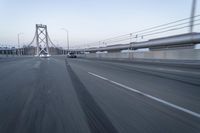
(184, 54)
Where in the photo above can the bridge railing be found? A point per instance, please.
(181, 26)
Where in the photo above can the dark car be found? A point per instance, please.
(71, 55)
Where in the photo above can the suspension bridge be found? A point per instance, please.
(170, 35)
(145, 81)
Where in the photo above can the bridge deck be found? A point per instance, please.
(52, 95)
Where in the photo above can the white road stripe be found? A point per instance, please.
(149, 96)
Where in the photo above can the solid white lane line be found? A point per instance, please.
(97, 76)
(149, 96)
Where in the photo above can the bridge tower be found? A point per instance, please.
(42, 39)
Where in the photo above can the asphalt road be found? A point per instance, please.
(59, 95)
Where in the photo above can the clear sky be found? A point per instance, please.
(86, 20)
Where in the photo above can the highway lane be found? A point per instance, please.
(181, 89)
(55, 95)
(37, 96)
(164, 87)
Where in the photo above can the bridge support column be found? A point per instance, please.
(42, 39)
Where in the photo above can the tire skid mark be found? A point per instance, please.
(97, 120)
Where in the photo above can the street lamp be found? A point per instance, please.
(192, 15)
(67, 38)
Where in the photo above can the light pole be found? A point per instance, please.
(18, 37)
(67, 38)
(192, 15)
